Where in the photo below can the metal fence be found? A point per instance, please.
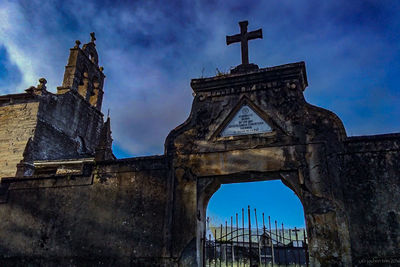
(257, 245)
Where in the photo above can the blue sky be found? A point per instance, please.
(151, 49)
(272, 198)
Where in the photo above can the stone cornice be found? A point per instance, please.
(16, 98)
(293, 71)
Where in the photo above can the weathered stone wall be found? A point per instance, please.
(62, 126)
(17, 124)
(372, 193)
(115, 218)
(68, 127)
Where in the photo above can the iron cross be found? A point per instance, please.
(243, 38)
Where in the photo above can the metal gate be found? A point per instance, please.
(254, 245)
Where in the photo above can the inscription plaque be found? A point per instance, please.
(246, 121)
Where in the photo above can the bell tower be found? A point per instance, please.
(83, 74)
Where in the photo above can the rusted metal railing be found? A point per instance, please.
(232, 245)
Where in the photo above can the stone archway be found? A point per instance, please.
(302, 147)
(321, 214)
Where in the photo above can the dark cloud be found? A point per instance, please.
(151, 50)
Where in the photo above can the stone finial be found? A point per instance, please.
(42, 84)
(93, 37)
(39, 89)
(77, 44)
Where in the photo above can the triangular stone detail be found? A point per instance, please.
(246, 121)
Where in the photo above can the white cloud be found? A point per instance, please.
(12, 26)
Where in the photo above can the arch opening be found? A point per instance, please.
(242, 223)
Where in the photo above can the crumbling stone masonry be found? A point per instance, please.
(72, 203)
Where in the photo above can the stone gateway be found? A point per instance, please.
(66, 200)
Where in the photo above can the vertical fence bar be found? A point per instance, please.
(280, 235)
(215, 246)
(226, 244)
(281, 246)
(243, 236)
(284, 245)
(264, 236)
(272, 243)
(237, 238)
(209, 256)
(290, 242)
(297, 244)
(232, 247)
(277, 242)
(249, 217)
(305, 247)
(258, 238)
(220, 247)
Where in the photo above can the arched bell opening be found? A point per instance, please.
(84, 83)
(94, 95)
